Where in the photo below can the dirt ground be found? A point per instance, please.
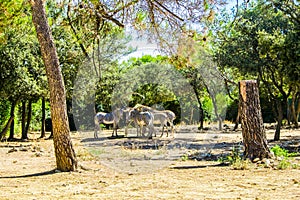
(135, 168)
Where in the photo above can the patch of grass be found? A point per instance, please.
(235, 159)
(184, 157)
(241, 164)
(234, 156)
(97, 152)
(283, 164)
(295, 166)
(84, 154)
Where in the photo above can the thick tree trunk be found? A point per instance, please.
(255, 141)
(64, 152)
(43, 131)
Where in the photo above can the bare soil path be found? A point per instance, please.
(132, 168)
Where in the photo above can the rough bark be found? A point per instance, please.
(43, 131)
(64, 152)
(254, 136)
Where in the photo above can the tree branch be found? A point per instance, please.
(169, 11)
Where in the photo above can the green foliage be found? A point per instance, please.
(281, 152)
(37, 114)
(262, 43)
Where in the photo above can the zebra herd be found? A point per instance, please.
(143, 117)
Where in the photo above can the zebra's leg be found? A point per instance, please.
(97, 127)
(143, 128)
(172, 128)
(137, 130)
(151, 130)
(115, 127)
(126, 130)
(162, 132)
(167, 130)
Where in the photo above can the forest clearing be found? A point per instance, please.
(114, 169)
(68, 72)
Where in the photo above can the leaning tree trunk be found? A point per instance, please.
(64, 151)
(5, 129)
(254, 136)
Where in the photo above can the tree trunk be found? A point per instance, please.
(298, 108)
(23, 123)
(29, 111)
(294, 118)
(219, 118)
(279, 120)
(201, 118)
(12, 124)
(4, 131)
(254, 136)
(64, 151)
(201, 112)
(237, 120)
(43, 132)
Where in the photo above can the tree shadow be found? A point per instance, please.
(200, 166)
(31, 175)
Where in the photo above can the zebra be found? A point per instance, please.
(108, 118)
(142, 119)
(159, 114)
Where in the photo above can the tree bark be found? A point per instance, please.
(254, 136)
(237, 120)
(12, 124)
(43, 131)
(23, 123)
(293, 112)
(201, 112)
(279, 120)
(298, 109)
(29, 112)
(64, 151)
(4, 131)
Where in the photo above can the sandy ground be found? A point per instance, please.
(135, 168)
